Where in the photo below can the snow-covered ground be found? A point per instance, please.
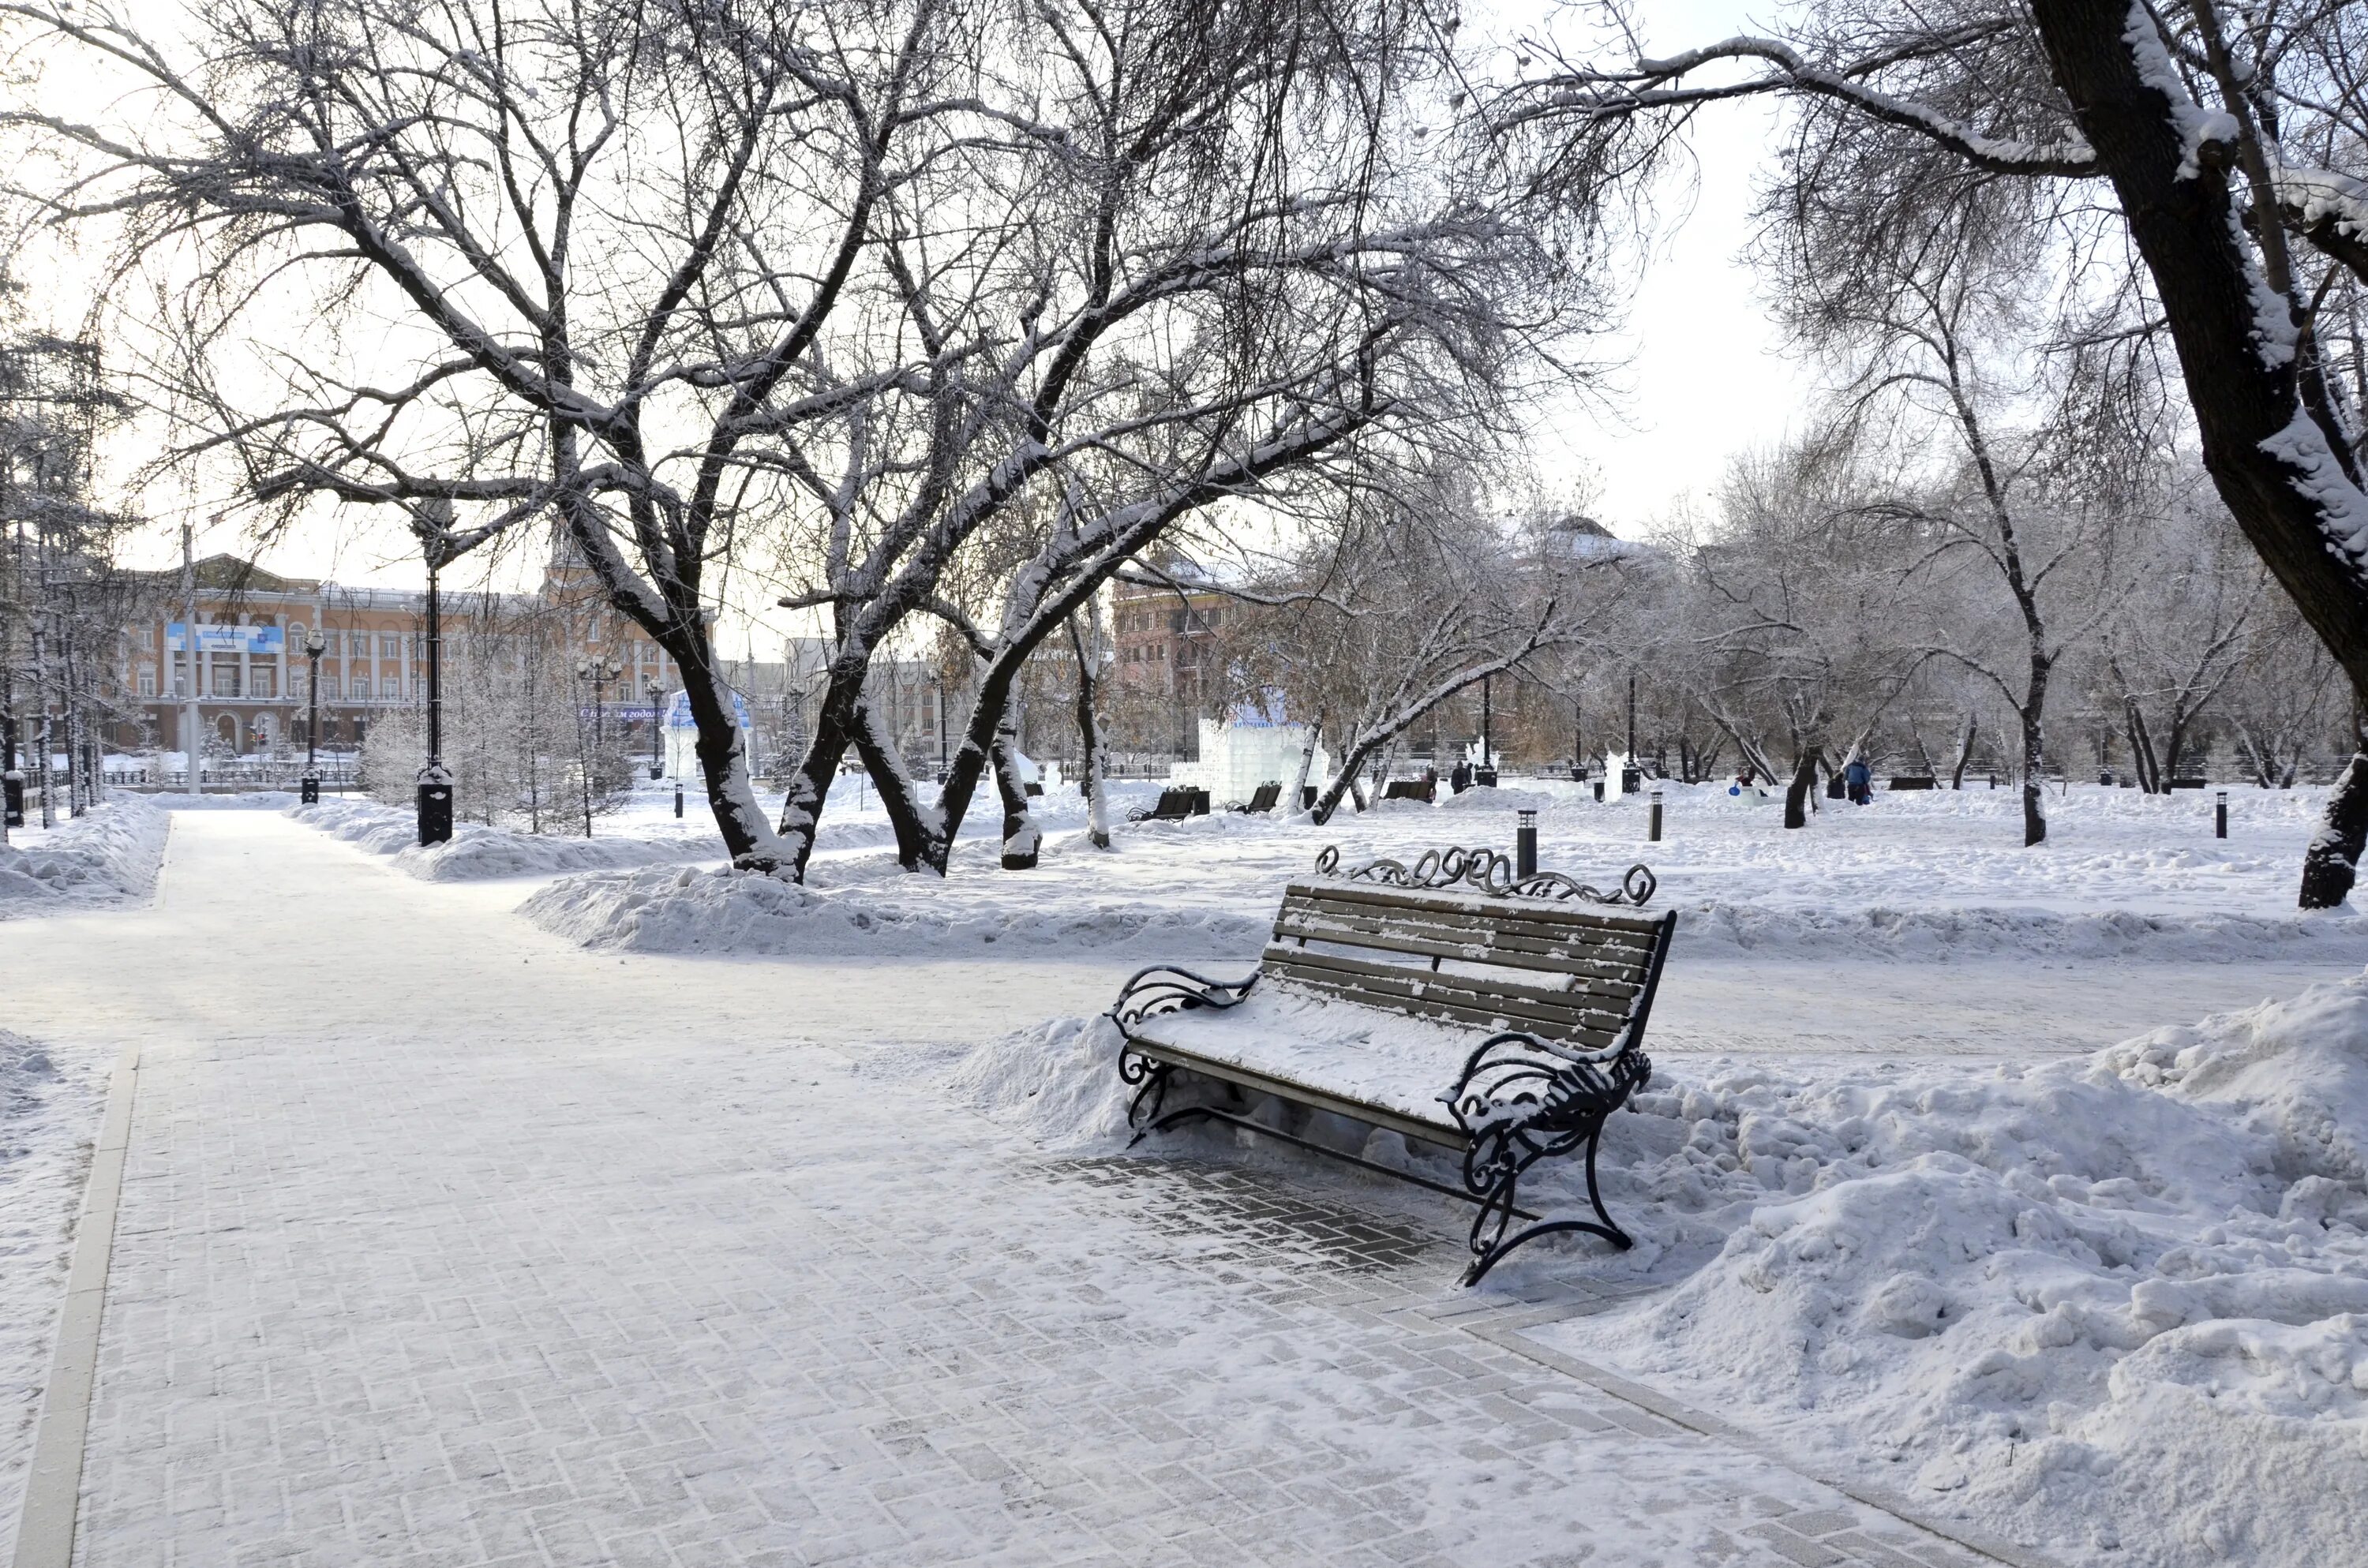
(1938, 877)
(49, 1104)
(2102, 1288)
(2114, 1306)
(107, 856)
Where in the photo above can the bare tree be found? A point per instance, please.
(1797, 616)
(1214, 286)
(2190, 603)
(2233, 149)
(1417, 597)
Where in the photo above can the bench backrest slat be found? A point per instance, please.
(1564, 1009)
(1562, 972)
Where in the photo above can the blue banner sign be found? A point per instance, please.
(218, 639)
(678, 716)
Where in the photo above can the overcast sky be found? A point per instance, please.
(1702, 382)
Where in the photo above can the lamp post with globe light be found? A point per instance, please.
(596, 673)
(433, 525)
(314, 646)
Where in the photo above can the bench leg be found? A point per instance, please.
(1489, 1241)
(1143, 1111)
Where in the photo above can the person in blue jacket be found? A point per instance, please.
(1856, 778)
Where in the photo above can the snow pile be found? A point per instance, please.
(110, 854)
(380, 829)
(2116, 1306)
(47, 1116)
(1717, 930)
(1057, 1083)
(724, 911)
(478, 853)
(2112, 1304)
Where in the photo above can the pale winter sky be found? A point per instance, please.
(1703, 380)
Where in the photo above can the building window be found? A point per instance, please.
(361, 689)
(390, 647)
(225, 680)
(267, 683)
(361, 644)
(147, 681)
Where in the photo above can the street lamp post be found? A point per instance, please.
(1487, 775)
(435, 780)
(597, 673)
(657, 734)
(314, 646)
(1632, 776)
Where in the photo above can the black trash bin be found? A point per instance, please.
(12, 783)
(435, 811)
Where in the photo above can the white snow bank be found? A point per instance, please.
(2116, 1307)
(108, 854)
(1711, 930)
(48, 1114)
(722, 910)
(2111, 1305)
(478, 853)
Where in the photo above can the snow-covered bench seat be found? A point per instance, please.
(1447, 1003)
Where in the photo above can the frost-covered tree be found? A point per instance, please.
(1407, 599)
(2226, 151)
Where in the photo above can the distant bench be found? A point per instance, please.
(1545, 1002)
(1263, 798)
(1175, 803)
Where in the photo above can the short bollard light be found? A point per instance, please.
(1656, 831)
(2220, 816)
(1525, 843)
(678, 799)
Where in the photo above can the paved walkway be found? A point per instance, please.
(441, 1243)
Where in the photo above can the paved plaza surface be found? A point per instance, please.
(444, 1243)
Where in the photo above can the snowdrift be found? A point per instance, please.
(2118, 1306)
(48, 1109)
(107, 856)
(878, 910)
(1716, 930)
(478, 853)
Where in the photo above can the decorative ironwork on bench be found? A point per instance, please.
(1491, 871)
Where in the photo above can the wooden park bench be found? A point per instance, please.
(1424, 790)
(1914, 781)
(1175, 803)
(1500, 1020)
(1263, 798)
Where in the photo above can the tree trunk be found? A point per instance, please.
(1964, 754)
(913, 819)
(1090, 737)
(2035, 780)
(2174, 751)
(1306, 764)
(1344, 776)
(1020, 839)
(1804, 780)
(2278, 474)
(2141, 748)
(2254, 755)
(2331, 864)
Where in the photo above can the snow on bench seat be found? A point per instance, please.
(1503, 1025)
